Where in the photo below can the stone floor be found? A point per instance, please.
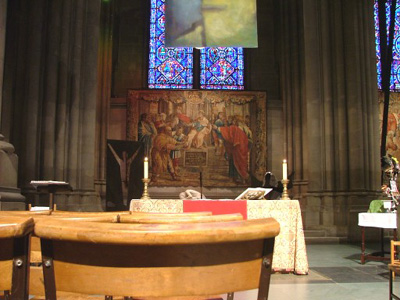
(335, 273)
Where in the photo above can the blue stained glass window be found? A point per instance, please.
(169, 68)
(221, 68)
(395, 71)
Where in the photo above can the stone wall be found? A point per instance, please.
(331, 109)
(50, 95)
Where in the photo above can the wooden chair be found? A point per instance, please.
(156, 260)
(394, 267)
(36, 286)
(14, 256)
(182, 218)
(36, 274)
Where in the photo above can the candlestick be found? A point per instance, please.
(145, 195)
(284, 169)
(146, 168)
(285, 194)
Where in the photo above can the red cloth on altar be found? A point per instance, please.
(236, 145)
(216, 207)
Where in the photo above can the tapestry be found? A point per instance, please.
(200, 138)
(393, 128)
(124, 173)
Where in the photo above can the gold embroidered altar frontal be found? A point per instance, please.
(290, 253)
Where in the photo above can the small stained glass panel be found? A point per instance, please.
(169, 68)
(221, 68)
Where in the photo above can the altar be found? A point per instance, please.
(290, 250)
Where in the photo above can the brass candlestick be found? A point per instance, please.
(145, 195)
(285, 194)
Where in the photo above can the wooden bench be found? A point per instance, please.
(180, 218)
(14, 255)
(36, 286)
(156, 260)
(36, 273)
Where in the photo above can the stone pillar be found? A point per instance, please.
(3, 18)
(104, 94)
(295, 146)
(331, 109)
(10, 196)
(50, 92)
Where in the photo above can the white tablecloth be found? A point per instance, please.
(378, 220)
(290, 253)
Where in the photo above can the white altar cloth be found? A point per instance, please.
(378, 220)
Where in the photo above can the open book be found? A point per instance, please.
(253, 194)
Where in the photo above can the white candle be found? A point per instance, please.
(284, 169)
(146, 168)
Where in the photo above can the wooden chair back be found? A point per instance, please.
(14, 255)
(394, 266)
(182, 218)
(394, 247)
(156, 260)
(36, 286)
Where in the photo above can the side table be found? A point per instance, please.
(376, 220)
(51, 187)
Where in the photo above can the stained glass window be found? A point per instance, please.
(169, 68)
(395, 71)
(221, 68)
(172, 68)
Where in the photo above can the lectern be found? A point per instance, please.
(51, 187)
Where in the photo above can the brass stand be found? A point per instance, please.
(285, 194)
(145, 195)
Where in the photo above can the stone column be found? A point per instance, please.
(294, 110)
(3, 18)
(331, 108)
(10, 196)
(104, 94)
(51, 94)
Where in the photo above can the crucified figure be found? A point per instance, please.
(124, 164)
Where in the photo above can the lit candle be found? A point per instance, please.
(284, 169)
(146, 168)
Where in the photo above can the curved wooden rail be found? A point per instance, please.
(120, 233)
(15, 226)
(154, 219)
(156, 260)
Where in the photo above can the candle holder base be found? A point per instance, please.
(285, 194)
(145, 195)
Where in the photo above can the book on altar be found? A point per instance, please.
(254, 194)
